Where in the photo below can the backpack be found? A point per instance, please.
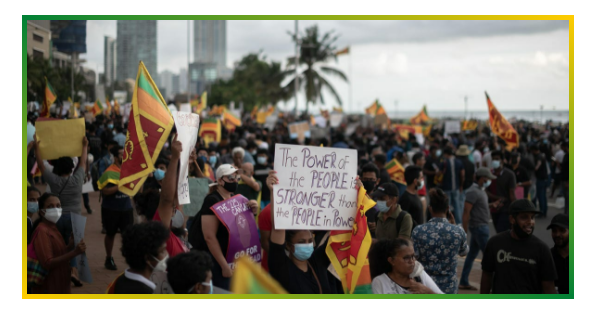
(401, 218)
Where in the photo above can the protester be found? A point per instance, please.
(304, 270)
(394, 269)
(52, 252)
(462, 154)
(116, 206)
(207, 233)
(261, 172)
(380, 161)
(410, 201)
(564, 177)
(144, 249)
(432, 165)
(33, 195)
(265, 225)
(392, 221)
(369, 176)
(516, 261)
(190, 273)
(503, 190)
(439, 242)
(560, 251)
(251, 190)
(475, 220)
(452, 184)
(541, 177)
(556, 162)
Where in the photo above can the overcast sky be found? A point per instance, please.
(405, 64)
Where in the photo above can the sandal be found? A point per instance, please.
(76, 282)
(469, 287)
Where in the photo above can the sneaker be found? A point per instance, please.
(110, 264)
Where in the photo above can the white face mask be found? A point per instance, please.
(177, 220)
(420, 185)
(53, 214)
(162, 264)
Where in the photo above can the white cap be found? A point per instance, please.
(225, 170)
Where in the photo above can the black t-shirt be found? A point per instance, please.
(542, 172)
(519, 266)
(124, 285)
(384, 176)
(521, 176)
(562, 270)
(528, 165)
(430, 165)
(412, 204)
(261, 172)
(117, 201)
(503, 184)
(564, 168)
(196, 237)
(293, 279)
(469, 172)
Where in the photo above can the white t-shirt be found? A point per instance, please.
(477, 158)
(382, 284)
(487, 160)
(559, 156)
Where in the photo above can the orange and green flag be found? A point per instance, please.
(421, 117)
(250, 278)
(230, 120)
(210, 130)
(344, 51)
(117, 107)
(375, 109)
(217, 110)
(110, 175)
(501, 127)
(348, 250)
(150, 123)
(396, 171)
(469, 125)
(254, 112)
(49, 98)
(97, 109)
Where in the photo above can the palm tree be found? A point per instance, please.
(315, 52)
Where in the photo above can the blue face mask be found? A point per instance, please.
(303, 251)
(438, 153)
(382, 206)
(32, 207)
(212, 160)
(159, 174)
(110, 126)
(495, 164)
(262, 160)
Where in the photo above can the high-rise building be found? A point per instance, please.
(183, 80)
(166, 82)
(136, 41)
(210, 42)
(110, 60)
(38, 39)
(175, 80)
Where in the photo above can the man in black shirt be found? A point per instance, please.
(516, 261)
(462, 154)
(410, 201)
(369, 176)
(432, 165)
(541, 176)
(564, 177)
(520, 174)
(261, 172)
(380, 161)
(560, 251)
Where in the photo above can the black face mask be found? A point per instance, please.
(520, 233)
(230, 187)
(369, 186)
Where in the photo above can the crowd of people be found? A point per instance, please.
(457, 185)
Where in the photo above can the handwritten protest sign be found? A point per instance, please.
(83, 266)
(185, 108)
(187, 125)
(271, 121)
(243, 233)
(60, 138)
(451, 127)
(316, 189)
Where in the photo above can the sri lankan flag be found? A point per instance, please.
(230, 120)
(200, 104)
(250, 278)
(217, 110)
(254, 112)
(404, 131)
(210, 130)
(110, 175)
(348, 250)
(344, 51)
(117, 108)
(208, 172)
(421, 117)
(396, 171)
(469, 125)
(150, 123)
(74, 109)
(97, 109)
(49, 98)
(375, 109)
(501, 127)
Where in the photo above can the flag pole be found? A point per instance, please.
(297, 61)
(188, 63)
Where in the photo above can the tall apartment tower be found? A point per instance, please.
(210, 42)
(110, 60)
(136, 41)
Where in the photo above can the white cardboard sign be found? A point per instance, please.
(187, 133)
(316, 189)
(451, 127)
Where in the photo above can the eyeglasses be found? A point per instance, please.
(409, 258)
(232, 178)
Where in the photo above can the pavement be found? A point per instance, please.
(102, 277)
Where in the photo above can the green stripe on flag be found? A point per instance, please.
(255, 287)
(144, 84)
(50, 88)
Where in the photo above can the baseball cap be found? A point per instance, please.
(225, 170)
(386, 189)
(560, 220)
(485, 172)
(522, 206)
